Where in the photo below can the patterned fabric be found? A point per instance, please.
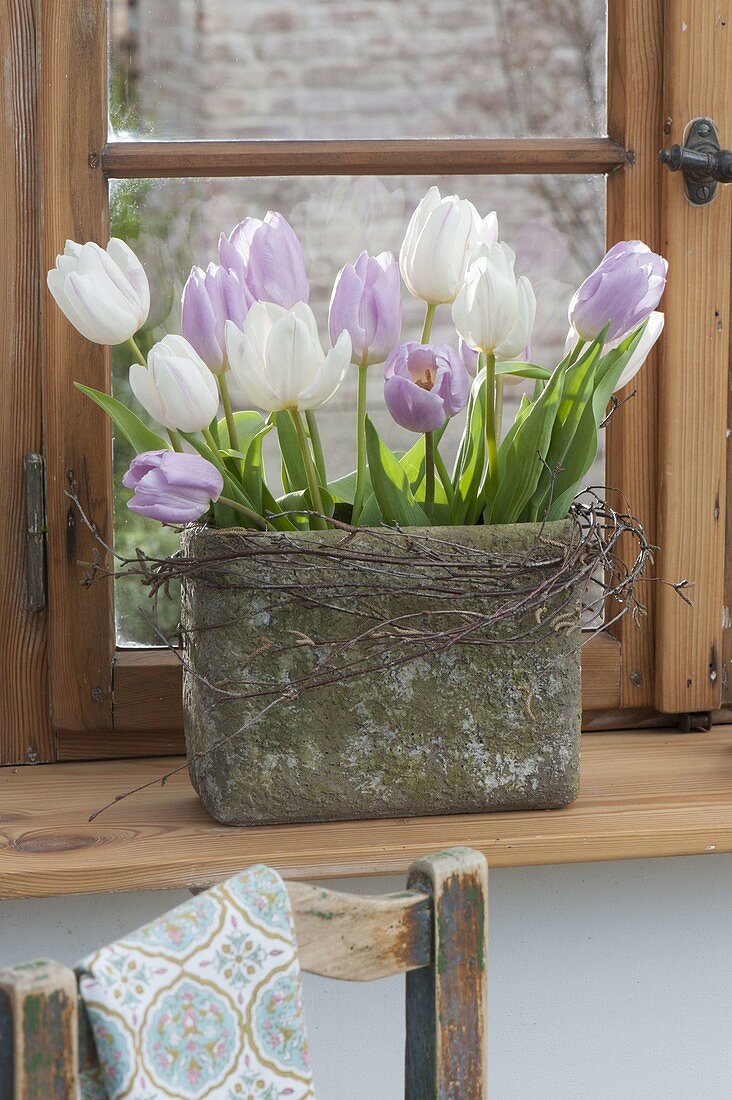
(204, 1002)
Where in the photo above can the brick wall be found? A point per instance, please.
(217, 69)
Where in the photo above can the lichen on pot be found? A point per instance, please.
(324, 680)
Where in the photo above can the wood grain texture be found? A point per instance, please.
(40, 1000)
(447, 1002)
(25, 731)
(73, 126)
(693, 397)
(165, 159)
(635, 83)
(359, 938)
(656, 793)
(726, 671)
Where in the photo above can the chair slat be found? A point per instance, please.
(446, 1057)
(359, 938)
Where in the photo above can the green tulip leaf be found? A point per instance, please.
(470, 462)
(579, 385)
(300, 503)
(248, 425)
(370, 514)
(583, 451)
(294, 477)
(523, 370)
(139, 435)
(391, 484)
(524, 453)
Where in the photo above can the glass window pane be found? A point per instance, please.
(214, 69)
(556, 224)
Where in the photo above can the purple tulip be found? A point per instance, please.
(425, 384)
(367, 303)
(267, 258)
(622, 291)
(210, 299)
(172, 487)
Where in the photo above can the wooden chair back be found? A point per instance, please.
(435, 931)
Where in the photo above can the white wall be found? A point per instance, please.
(607, 982)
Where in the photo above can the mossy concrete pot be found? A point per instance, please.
(466, 729)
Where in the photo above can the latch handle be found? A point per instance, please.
(703, 163)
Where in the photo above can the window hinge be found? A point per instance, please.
(35, 532)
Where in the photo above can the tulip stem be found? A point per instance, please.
(360, 444)
(444, 475)
(208, 436)
(500, 381)
(488, 360)
(428, 319)
(228, 411)
(175, 440)
(316, 522)
(429, 471)
(132, 344)
(317, 443)
(258, 521)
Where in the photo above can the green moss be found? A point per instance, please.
(467, 729)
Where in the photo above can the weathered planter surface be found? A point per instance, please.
(468, 729)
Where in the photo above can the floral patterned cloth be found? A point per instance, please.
(204, 1002)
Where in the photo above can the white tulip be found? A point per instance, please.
(440, 237)
(651, 334)
(515, 343)
(487, 231)
(176, 388)
(103, 292)
(652, 331)
(277, 361)
(487, 307)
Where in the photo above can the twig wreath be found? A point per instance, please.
(470, 596)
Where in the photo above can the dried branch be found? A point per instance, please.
(468, 596)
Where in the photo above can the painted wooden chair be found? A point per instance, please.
(435, 931)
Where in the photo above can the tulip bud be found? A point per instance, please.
(176, 388)
(439, 239)
(172, 487)
(622, 291)
(267, 258)
(103, 292)
(367, 303)
(520, 335)
(424, 385)
(210, 299)
(487, 307)
(277, 361)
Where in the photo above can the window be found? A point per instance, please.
(279, 109)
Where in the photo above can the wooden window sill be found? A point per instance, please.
(656, 793)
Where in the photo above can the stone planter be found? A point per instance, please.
(465, 730)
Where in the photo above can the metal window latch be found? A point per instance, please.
(35, 533)
(703, 163)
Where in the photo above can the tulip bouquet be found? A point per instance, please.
(250, 362)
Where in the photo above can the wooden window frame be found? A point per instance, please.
(81, 697)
